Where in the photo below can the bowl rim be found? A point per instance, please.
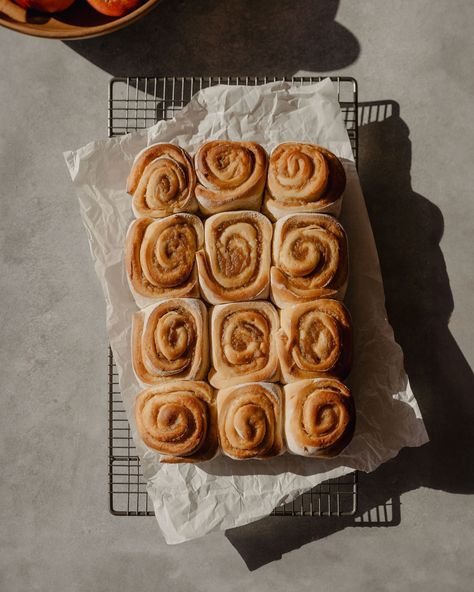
(36, 30)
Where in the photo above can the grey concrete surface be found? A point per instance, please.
(416, 169)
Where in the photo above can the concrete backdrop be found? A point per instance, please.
(418, 177)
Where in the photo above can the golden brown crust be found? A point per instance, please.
(310, 257)
(303, 178)
(315, 340)
(179, 420)
(160, 256)
(250, 421)
(231, 176)
(319, 417)
(162, 181)
(236, 263)
(170, 341)
(243, 345)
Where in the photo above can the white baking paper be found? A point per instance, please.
(191, 500)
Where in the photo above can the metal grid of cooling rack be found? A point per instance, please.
(137, 103)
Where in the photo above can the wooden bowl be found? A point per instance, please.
(78, 22)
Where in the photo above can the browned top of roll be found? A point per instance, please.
(320, 418)
(315, 339)
(236, 263)
(160, 254)
(302, 173)
(172, 343)
(229, 170)
(250, 421)
(311, 255)
(178, 419)
(162, 181)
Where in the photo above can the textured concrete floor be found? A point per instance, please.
(416, 168)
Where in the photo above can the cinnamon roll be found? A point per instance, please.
(162, 182)
(303, 178)
(250, 421)
(170, 341)
(315, 340)
(310, 259)
(236, 263)
(160, 256)
(319, 417)
(231, 176)
(243, 345)
(179, 420)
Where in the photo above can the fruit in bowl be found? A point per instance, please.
(114, 7)
(68, 19)
(107, 7)
(49, 6)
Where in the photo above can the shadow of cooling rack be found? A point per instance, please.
(134, 104)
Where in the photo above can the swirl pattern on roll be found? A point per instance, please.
(162, 181)
(170, 341)
(231, 176)
(319, 417)
(250, 421)
(178, 419)
(160, 256)
(310, 259)
(235, 265)
(315, 340)
(243, 345)
(303, 178)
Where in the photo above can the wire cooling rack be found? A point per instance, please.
(137, 103)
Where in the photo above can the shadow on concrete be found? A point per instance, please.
(231, 38)
(408, 229)
(269, 539)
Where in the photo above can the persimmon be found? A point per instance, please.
(50, 6)
(114, 7)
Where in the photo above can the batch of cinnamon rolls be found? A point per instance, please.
(239, 267)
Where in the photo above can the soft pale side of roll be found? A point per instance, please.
(310, 259)
(303, 178)
(315, 340)
(250, 421)
(319, 417)
(162, 181)
(242, 343)
(231, 176)
(235, 265)
(160, 257)
(178, 419)
(170, 341)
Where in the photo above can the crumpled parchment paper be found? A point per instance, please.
(191, 500)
